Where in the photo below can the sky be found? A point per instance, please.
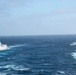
(37, 17)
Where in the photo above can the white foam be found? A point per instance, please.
(14, 46)
(22, 69)
(61, 72)
(14, 67)
(74, 55)
(4, 49)
(73, 44)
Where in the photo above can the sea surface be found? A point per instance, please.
(38, 55)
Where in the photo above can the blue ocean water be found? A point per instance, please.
(38, 55)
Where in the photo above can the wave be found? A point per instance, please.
(73, 44)
(3, 73)
(74, 55)
(14, 46)
(14, 67)
(61, 72)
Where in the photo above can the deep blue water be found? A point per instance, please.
(38, 55)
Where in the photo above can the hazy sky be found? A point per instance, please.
(37, 17)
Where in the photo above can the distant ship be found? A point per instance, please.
(3, 46)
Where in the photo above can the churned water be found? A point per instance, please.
(38, 55)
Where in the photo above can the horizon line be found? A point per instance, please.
(39, 35)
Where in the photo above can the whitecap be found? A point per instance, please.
(14, 67)
(22, 69)
(14, 46)
(73, 44)
(5, 49)
(74, 55)
(61, 72)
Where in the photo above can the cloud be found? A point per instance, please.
(4, 14)
(64, 11)
(6, 4)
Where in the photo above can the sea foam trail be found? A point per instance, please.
(14, 46)
(19, 45)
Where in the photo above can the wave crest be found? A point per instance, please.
(13, 46)
(73, 44)
(14, 67)
(74, 55)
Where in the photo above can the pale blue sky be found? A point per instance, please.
(37, 17)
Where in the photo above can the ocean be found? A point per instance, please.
(38, 55)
